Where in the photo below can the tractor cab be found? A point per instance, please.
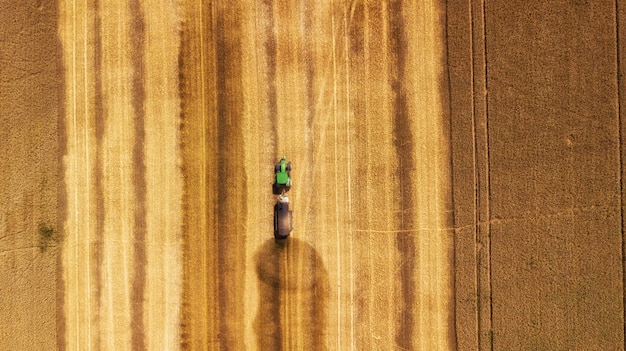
(282, 172)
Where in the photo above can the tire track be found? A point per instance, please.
(481, 161)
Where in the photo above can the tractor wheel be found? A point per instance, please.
(288, 166)
(277, 168)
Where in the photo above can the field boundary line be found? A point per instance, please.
(620, 147)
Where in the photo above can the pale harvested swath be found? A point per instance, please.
(161, 316)
(79, 230)
(376, 182)
(122, 176)
(117, 169)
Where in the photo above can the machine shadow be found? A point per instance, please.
(294, 290)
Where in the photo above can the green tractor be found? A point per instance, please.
(282, 171)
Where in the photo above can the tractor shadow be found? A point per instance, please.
(278, 189)
(294, 290)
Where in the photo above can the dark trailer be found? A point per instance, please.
(283, 218)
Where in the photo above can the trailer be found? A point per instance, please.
(283, 218)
